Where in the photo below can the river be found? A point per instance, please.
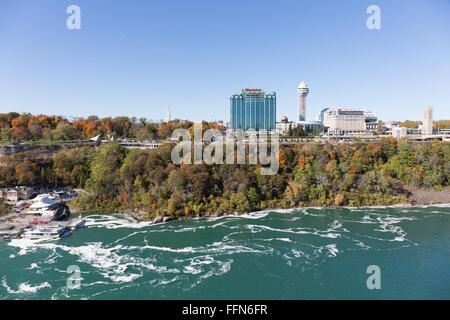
(286, 254)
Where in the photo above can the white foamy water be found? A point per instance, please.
(116, 254)
(25, 288)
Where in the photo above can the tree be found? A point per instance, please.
(27, 173)
(4, 207)
(63, 132)
(104, 169)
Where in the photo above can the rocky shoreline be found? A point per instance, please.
(418, 198)
(138, 216)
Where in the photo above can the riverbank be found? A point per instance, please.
(429, 196)
(139, 216)
(418, 197)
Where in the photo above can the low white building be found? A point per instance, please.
(349, 121)
(42, 204)
(283, 127)
(399, 132)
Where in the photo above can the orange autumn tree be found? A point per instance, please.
(302, 161)
(281, 156)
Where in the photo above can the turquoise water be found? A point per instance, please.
(295, 254)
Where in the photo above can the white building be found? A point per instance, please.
(43, 205)
(348, 121)
(282, 127)
(168, 114)
(423, 132)
(427, 127)
(341, 121)
(399, 132)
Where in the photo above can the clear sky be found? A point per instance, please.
(135, 57)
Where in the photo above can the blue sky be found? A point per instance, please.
(135, 57)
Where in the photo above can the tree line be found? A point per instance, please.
(26, 127)
(437, 125)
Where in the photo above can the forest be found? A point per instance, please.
(311, 174)
(44, 128)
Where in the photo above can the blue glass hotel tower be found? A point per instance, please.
(253, 109)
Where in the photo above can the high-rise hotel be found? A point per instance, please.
(253, 109)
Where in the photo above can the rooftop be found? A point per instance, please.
(303, 85)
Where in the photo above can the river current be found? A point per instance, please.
(287, 254)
